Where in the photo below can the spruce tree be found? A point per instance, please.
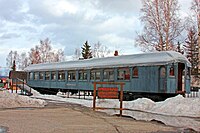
(191, 48)
(86, 51)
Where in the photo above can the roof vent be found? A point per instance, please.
(116, 53)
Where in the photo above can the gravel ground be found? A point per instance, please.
(72, 118)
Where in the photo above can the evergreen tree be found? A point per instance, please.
(86, 51)
(191, 48)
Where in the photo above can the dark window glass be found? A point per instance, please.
(41, 75)
(95, 75)
(36, 75)
(82, 75)
(108, 75)
(72, 75)
(30, 75)
(47, 75)
(53, 75)
(61, 75)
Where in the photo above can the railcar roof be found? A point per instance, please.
(143, 59)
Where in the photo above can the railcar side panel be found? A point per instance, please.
(172, 72)
(146, 81)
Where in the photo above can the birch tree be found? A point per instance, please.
(77, 54)
(57, 56)
(34, 55)
(162, 25)
(100, 50)
(44, 53)
(13, 56)
(45, 50)
(23, 61)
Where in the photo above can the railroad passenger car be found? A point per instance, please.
(155, 75)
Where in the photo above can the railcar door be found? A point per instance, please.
(187, 80)
(162, 79)
(181, 67)
(183, 78)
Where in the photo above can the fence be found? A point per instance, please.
(19, 84)
(193, 94)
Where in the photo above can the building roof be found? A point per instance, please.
(143, 59)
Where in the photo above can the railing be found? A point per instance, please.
(17, 84)
(193, 94)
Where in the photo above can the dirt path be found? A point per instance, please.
(72, 118)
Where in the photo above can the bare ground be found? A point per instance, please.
(72, 118)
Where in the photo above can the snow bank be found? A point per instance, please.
(178, 106)
(35, 93)
(12, 100)
(166, 111)
(142, 104)
(175, 106)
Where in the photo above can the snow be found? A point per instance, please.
(13, 100)
(143, 104)
(175, 106)
(153, 58)
(176, 111)
(178, 106)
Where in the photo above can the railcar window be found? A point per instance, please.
(47, 75)
(30, 75)
(82, 75)
(53, 75)
(41, 75)
(36, 75)
(123, 74)
(61, 75)
(135, 72)
(162, 72)
(171, 71)
(72, 75)
(108, 75)
(95, 75)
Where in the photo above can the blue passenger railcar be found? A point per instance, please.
(154, 75)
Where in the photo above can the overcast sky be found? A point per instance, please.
(69, 23)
